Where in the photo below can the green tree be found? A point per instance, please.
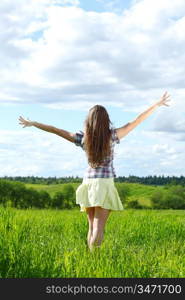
(58, 200)
(44, 199)
(174, 201)
(5, 191)
(157, 199)
(69, 196)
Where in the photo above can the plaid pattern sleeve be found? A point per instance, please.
(78, 139)
(115, 136)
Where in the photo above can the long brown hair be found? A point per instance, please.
(97, 135)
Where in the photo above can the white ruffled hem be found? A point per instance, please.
(98, 192)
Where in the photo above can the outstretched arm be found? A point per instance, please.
(121, 132)
(63, 133)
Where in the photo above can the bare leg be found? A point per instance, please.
(100, 218)
(90, 215)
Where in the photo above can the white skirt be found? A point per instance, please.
(98, 192)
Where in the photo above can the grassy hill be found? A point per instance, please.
(51, 189)
(140, 192)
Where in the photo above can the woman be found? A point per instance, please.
(97, 195)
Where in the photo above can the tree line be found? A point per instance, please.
(43, 180)
(148, 180)
(153, 180)
(16, 194)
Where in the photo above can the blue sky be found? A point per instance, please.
(61, 57)
(103, 5)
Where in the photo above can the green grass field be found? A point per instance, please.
(52, 243)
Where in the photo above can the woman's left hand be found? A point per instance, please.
(164, 99)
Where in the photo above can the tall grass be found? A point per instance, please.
(52, 243)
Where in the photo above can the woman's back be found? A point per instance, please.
(106, 169)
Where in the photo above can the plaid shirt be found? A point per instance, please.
(106, 169)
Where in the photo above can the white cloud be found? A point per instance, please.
(149, 153)
(164, 148)
(24, 153)
(56, 54)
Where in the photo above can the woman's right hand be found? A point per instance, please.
(25, 123)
